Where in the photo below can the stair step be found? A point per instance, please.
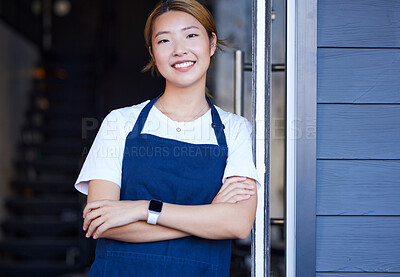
(40, 248)
(78, 84)
(71, 124)
(54, 205)
(41, 227)
(63, 71)
(35, 269)
(60, 130)
(60, 95)
(69, 150)
(47, 165)
(72, 91)
(52, 112)
(44, 186)
(68, 58)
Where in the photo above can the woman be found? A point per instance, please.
(166, 196)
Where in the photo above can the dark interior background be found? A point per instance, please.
(113, 32)
(60, 75)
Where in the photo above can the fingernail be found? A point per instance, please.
(87, 235)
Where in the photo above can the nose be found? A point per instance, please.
(179, 48)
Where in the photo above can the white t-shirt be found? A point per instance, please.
(104, 160)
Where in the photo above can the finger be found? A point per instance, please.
(101, 229)
(91, 216)
(239, 192)
(237, 198)
(231, 180)
(228, 187)
(94, 225)
(93, 205)
(237, 186)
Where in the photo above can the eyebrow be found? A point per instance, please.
(183, 29)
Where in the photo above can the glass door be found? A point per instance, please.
(236, 24)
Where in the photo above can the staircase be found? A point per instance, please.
(42, 235)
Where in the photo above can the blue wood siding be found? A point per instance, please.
(358, 243)
(358, 131)
(358, 23)
(358, 274)
(358, 187)
(358, 139)
(358, 75)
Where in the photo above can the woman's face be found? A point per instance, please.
(181, 48)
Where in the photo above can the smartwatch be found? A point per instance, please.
(155, 208)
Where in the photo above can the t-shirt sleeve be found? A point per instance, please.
(240, 154)
(104, 160)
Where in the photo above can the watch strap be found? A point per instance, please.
(152, 218)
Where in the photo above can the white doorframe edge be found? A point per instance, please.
(260, 244)
(291, 112)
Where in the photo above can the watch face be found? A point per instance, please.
(155, 206)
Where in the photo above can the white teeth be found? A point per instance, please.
(185, 64)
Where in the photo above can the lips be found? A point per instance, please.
(183, 64)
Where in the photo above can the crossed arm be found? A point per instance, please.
(230, 215)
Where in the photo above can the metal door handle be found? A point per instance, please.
(240, 67)
(239, 84)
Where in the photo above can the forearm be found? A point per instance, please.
(141, 231)
(219, 220)
(214, 221)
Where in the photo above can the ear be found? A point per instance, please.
(152, 56)
(213, 44)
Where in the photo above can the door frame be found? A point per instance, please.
(301, 126)
(301, 133)
(261, 80)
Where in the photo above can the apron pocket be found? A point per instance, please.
(129, 264)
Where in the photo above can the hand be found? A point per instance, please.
(234, 189)
(99, 216)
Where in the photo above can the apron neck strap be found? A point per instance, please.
(217, 124)
(137, 129)
(216, 121)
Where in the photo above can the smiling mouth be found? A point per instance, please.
(182, 65)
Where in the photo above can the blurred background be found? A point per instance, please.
(64, 65)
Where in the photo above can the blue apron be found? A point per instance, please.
(174, 172)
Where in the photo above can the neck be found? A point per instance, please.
(182, 104)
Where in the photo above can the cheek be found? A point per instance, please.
(158, 57)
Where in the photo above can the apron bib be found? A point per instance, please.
(178, 173)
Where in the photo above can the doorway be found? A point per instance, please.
(236, 23)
